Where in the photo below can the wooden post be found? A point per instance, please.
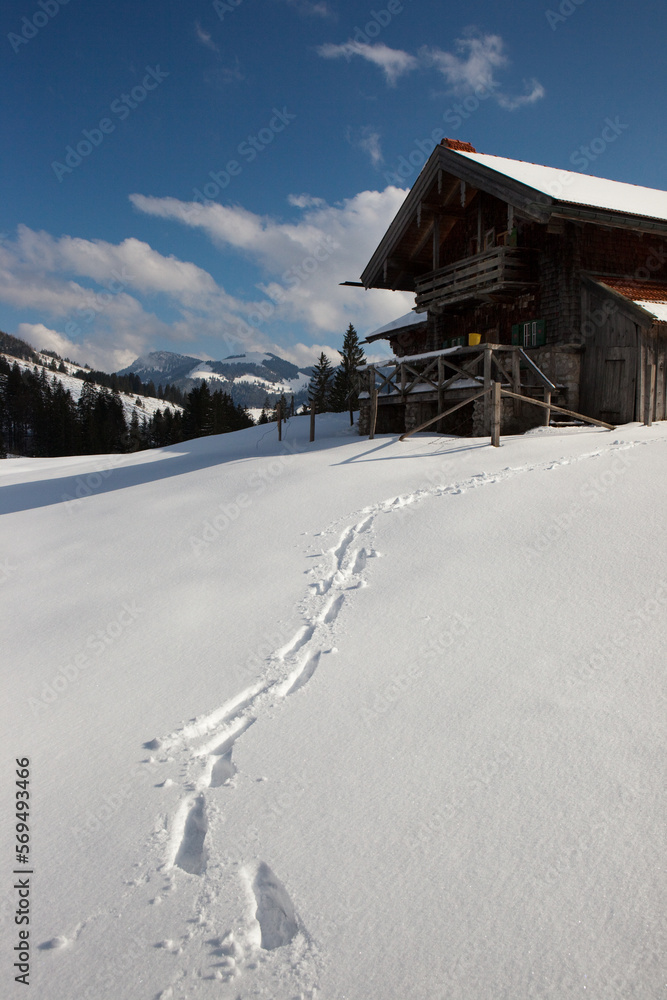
(547, 403)
(487, 387)
(374, 412)
(516, 382)
(351, 413)
(650, 395)
(496, 400)
(312, 421)
(279, 414)
(441, 393)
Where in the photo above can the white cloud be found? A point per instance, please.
(535, 93)
(473, 67)
(304, 261)
(105, 303)
(367, 139)
(84, 352)
(304, 201)
(312, 8)
(205, 38)
(393, 62)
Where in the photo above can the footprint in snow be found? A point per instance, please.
(192, 854)
(275, 912)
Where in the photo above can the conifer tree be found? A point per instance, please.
(319, 390)
(345, 388)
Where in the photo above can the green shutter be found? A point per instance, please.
(515, 334)
(541, 333)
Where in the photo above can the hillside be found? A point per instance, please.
(14, 350)
(351, 719)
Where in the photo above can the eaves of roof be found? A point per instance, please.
(528, 201)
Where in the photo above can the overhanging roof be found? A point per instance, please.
(410, 319)
(536, 192)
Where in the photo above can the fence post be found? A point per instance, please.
(650, 395)
(441, 394)
(279, 414)
(496, 401)
(516, 382)
(487, 386)
(312, 421)
(374, 412)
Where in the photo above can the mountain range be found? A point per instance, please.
(248, 378)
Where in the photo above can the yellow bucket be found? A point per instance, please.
(474, 339)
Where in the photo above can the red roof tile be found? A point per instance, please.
(462, 147)
(636, 289)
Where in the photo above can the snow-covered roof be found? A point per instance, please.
(579, 189)
(410, 319)
(657, 309)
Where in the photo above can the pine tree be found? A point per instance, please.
(345, 388)
(319, 390)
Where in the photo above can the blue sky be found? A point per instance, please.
(199, 177)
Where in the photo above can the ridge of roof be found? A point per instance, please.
(575, 188)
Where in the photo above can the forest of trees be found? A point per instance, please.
(39, 417)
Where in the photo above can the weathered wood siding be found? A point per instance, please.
(612, 356)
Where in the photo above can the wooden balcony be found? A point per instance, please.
(499, 272)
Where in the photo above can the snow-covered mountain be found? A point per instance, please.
(249, 378)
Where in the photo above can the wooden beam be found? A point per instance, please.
(496, 401)
(561, 409)
(501, 368)
(540, 374)
(547, 403)
(516, 381)
(487, 387)
(441, 391)
(374, 412)
(441, 416)
(650, 395)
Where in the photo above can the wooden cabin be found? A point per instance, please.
(545, 280)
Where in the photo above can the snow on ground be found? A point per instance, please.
(352, 719)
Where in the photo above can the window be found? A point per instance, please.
(530, 334)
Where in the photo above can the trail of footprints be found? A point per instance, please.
(289, 668)
(206, 746)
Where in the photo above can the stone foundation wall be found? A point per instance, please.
(364, 417)
(562, 364)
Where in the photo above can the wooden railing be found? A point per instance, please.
(453, 370)
(474, 375)
(501, 269)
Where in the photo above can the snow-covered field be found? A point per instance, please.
(350, 720)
